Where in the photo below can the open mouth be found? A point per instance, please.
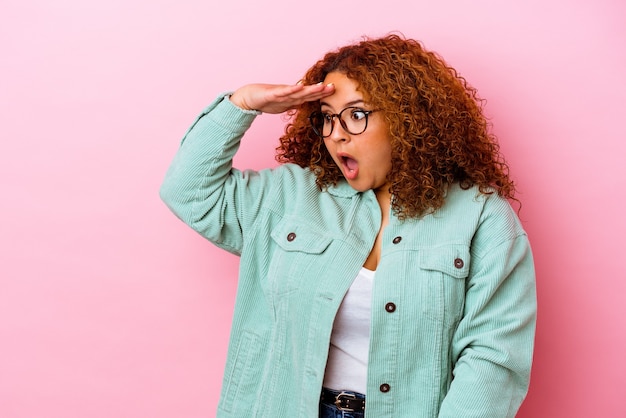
(350, 166)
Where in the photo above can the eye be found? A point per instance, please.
(327, 118)
(358, 114)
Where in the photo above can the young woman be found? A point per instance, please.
(383, 272)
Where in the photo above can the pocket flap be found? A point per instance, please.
(296, 236)
(453, 260)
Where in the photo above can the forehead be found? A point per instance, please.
(346, 91)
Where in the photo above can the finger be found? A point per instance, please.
(288, 90)
(318, 93)
(312, 92)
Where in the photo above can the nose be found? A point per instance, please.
(338, 133)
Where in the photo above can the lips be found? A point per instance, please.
(350, 166)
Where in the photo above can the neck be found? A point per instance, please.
(383, 195)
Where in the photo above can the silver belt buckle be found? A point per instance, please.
(345, 396)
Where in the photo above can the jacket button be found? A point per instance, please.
(458, 263)
(384, 388)
(291, 236)
(397, 240)
(390, 307)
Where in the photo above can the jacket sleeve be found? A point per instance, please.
(493, 344)
(202, 188)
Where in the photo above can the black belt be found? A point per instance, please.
(344, 401)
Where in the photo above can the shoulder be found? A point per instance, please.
(496, 220)
(292, 179)
(475, 201)
(295, 180)
(289, 185)
(295, 194)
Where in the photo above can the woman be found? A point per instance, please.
(383, 272)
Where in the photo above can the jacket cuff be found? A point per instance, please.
(229, 116)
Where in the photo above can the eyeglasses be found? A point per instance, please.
(354, 121)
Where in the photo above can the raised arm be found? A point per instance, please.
(201, 187)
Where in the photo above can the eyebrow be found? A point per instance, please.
(352, 103)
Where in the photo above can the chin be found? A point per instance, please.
(357, 187)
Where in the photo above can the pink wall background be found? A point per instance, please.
(110, 307)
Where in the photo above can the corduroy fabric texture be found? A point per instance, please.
(460, 340)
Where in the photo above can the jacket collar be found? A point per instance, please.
(342, 189)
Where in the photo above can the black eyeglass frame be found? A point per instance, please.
(341, 121)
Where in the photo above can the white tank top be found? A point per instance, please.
(346, 368)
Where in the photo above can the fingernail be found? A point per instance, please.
(330, 85)
(299, 83)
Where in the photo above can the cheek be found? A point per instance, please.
(384, 155)
(330, 146)
(385, 161)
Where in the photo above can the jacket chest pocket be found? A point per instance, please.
(443, 273)
(298, 256)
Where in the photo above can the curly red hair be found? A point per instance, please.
(438, 132)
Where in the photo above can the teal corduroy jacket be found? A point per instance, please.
(459, 340)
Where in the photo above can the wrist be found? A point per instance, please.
(237, 101)
(227, 97)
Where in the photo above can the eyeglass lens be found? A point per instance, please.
(352, 119)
